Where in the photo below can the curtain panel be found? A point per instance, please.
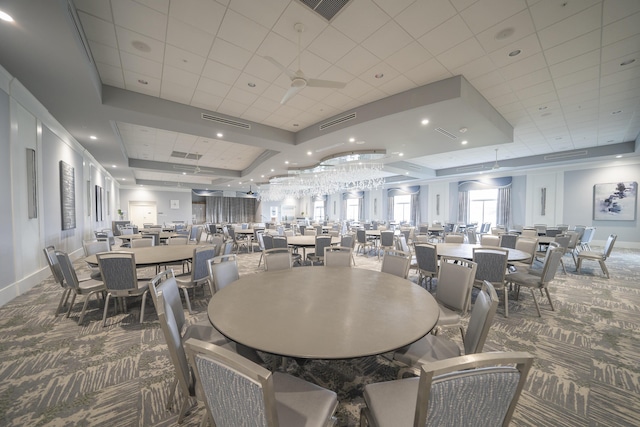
(504, 207)
(463, 207)
(232, 209)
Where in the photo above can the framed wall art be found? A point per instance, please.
(615, 201)
(67, 196)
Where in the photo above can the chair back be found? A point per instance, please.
(277, 259)
(118, 270)
(386, 238)
(67, 270)
(472, 236)
(454, 238)
(608, 246)
(201, 255)
(166, 299)
(54, 265)
(541, 229)
(587, 236)
(154, 236)
(348, 241)
(508, 241)
(321, 243)
(490, 240)
(551, 263)
(455, 282)
(280, 242)
(573, 241)
(227, 248)
(143, 242)
(401, 244)
(222, 274)
(464, 381)
(92, 247)
(482, 313)
(396, 262)
(233, 386)
(580, 230)
(427, 257)
(217, 239)
(310, 232)
(563, 241)
(485, 228)
(338, 256)
(361, 235)
(531, 233)
(529, 246)
(260, 238)
(492, 265)
(267, 241)
(177, 240)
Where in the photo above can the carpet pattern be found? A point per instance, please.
(54, 372)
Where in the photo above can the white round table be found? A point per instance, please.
(323, 312)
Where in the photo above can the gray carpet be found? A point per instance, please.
(586, 372)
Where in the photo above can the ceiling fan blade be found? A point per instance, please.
(282, 68)
(325, 83)
(290, 93)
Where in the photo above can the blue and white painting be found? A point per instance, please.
(615, 201)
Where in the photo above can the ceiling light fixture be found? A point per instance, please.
(464, 142)
(251, 84)
(425, 122)
(379, 76)
(5, 16)
(515, 52)
(93, 137)
(219, 135)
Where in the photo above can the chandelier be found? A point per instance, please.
(342, 173)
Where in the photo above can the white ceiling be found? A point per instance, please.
(566, 90)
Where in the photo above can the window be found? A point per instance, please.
(402, 208)
(352, 209)
(318, 210)
(483, 206)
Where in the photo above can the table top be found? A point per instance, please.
(465, 251)
(162, 235)
(323, 313)
(154, 255)
(308, 241)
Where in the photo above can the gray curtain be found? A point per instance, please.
(415, 209)
(463, 207)
(390, 208)
(232, 209)
(361, 208)
(504, 206)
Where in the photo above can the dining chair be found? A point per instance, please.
(199, 274)
(427, 261)
(349, 241)
(92, 247)
(144, 242)
(492, 267)
(223, 270)
(396, 262)
(317, 256)
(387, 242)
(58, 277)
(236, 388)
(472, 236)
(573, 245)
(277, 259)
(538, 281)
(435, 347)
(508, 240)
(587, 238)
(166, 299)
(338, 256)
(118, 270)
(454, 238)
(469, 390)
(177, 240)
(453, 293)
(601, 257)
(528, 246)
(87, 287)
(363, 242)
(490, 240)
(562, 240)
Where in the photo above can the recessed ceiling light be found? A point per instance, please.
(93, 137)
(464, 142)
(124, 179)
(379, 76)
(406, 173)
(272, 170)
(251, 179)
(503, 34)
(228, 185)
(240, 182)
(184, 173)
(352, 140)
(515, 52)
(143, 82)
(141, 46)
(261, 176)
(627, 62)
(618, 156)
(286, 162)
(425, 121)
(113, 166)
(219, 135)
(309, 153)
(400, 154)
(251, 84)
(5, 16)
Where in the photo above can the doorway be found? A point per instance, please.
(141, 213)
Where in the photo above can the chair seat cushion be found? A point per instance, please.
(90, 285)
(590, 255)
(448, 317)
(427, 349)
(523, 279)
(300, 403)
(392, 403)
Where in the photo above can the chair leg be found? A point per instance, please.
(578, 265)
(549, 298)
(186, 297)
(106, 307)
(533, 294)
(63, 300)
(563, 267)
(73, 300)
(506, 301)
(172, 394)
(604, 268)
(144, 299)
(84, 307)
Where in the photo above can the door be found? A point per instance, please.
(198, 210)
(141, 213)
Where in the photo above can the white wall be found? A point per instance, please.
(162, 198)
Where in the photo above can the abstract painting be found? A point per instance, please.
(68, 195)
(615, 201)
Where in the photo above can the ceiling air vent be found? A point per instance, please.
(469, 168)
(446, 133)
(183, 155)
(224, 121)
(325, 8)
(562, 156)
(337, 121)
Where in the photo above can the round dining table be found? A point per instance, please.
(155, 255)
(308, 241)
(465, 251)
(323, 312)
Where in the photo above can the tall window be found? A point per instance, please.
(318, 210)
(352, 209)
(483, 206)
(402, 208)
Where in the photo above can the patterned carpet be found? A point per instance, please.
(586, 373)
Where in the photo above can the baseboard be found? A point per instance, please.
(23, 285)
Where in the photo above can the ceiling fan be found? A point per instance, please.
(298, 79)
(193, 169)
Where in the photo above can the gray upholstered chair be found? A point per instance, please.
(508, 240)
(338, 256)
(454, 238)
(199, 275)
(528, 245)
(317, 256)
(433, 347)
(56, 271)
(427, 261)
(92, 247)
(235, 388)
(177, 240)
(396, 262)
(363, 242)
(387, 241)
(452, 392)
(541, 281)
(601, 257)
(143, 242)
(453, 293)
(277, 259)
(492, 267)
(87, 287)
(490, 240)
(223, 270)
(349, 241)
(587, 238)
(118, 270)
(166, 298)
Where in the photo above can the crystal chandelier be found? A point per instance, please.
(341, 174)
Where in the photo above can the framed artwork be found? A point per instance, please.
(67, 196)
(98, 203)
(32, 184)
(175, 204)
(616, 201)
